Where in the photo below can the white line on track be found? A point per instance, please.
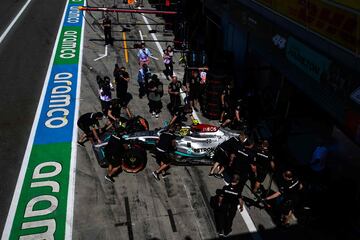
(102, 55)
(141, 36)
(152, 34)
(249, 223)
(244, 214)
(25, 162)
(72, 173)
(7, 30)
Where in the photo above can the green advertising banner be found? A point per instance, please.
(42, 205)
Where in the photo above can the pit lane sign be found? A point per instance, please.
(42, 205)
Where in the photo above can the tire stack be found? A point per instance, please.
(215, 86)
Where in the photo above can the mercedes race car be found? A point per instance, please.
(195, 145)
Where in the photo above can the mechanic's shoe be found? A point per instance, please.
(156, 115)
(165, 174)
(153, 114)
(81, 144)
(220, 176)
(211, 174)
(156, 176)
(109, 178)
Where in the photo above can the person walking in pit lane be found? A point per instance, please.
(168, 61)
(143, 55)
(122, 79)
(174, 92)
(155, 93)
(232, 199)
(164, 146)
(107, 30)
(143, 79)
(105, 94)
(217, 203)
(89, 124)
(225, 102)
(193, 87)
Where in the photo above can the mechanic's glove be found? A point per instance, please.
(195, 121)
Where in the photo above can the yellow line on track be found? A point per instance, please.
(125, 48)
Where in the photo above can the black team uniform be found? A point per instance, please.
(107, 31)
(163, 147)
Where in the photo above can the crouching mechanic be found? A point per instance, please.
(114, 152)
(179, 115)
(89, 124)
(165, 145)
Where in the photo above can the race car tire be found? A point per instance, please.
(135, 159)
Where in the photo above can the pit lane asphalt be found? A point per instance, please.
(8, 11)
(136, 206)
(24, 57)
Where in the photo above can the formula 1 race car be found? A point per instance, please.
(195, 145)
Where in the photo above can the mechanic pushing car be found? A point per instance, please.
(165, 145)
(261, 164)
(179, 115)
(114, 152)
(89, 123)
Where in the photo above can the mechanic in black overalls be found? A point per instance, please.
(232, 194)
(114, 113)
(164, 146)
(225, 102)
(239, 159)
(89, 123)
(262, 163)
(235, 117)
(222, 156)
(174, 92)
(288, 195)
(217, 203)
(122, 79)
(179, 115)
(114, 152)
(107, 30)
